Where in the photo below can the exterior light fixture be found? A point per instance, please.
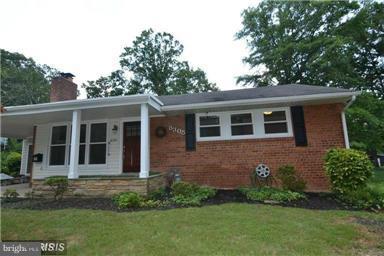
(115, 128)
(267, 112)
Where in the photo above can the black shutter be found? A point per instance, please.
(190, 132)
(298, 123)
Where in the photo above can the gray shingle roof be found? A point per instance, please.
(249, 93)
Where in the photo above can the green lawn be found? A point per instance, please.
(377, 182)
(228, 229)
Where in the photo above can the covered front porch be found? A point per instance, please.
(94, 139)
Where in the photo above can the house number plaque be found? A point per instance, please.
(176, 130)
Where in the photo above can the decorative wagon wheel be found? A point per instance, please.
(262, 176)
(262, 171)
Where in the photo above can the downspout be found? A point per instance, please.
(344, 122)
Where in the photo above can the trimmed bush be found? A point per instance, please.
(58, 184)
(289, 179)
(184, 188)
(127, 200)
(187, 194)
(267, 193)
(348, 169)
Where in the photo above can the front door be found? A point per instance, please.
(131, 147)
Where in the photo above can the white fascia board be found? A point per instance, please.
(83, 104)
(260, 101)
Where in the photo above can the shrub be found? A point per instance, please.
(184, 188)
(364, 198)
(10, 194)
(348, 169)
(58, 184)
(13, 161)
(186, 200)
(153, 203)
(10, 163)
(187, 194)
(268, 193)
(159, 194)
(289, 179)
(127, 200)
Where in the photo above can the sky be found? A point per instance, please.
(86, 38)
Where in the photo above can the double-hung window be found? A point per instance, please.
(83, 143)
(241, 124)
(275, 122)
(92, 146)
(209, 126)
(98, 143)
(58, 146)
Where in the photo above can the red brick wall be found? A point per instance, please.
(63, 89)
(228, 164)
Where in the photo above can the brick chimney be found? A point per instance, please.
(63, 88)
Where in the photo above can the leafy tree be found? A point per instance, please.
(23, 81)
(152, 64)
(329, 43)
(112, 85)
(365, 119)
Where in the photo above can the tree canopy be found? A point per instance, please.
(365, 119)
(151, 64)
(328, 43)
(23, 81)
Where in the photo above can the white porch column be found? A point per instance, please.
(75, 139)
(144, 141)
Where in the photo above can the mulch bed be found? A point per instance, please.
(318, 201)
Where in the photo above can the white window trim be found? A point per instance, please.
(86, 165)
(65, 165)
(246, 136)
(220, 125)
(88, 143)
(214, 125)
(257, 122)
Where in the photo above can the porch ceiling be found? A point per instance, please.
(20, 125)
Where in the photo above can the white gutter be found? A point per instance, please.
(259, 101)
(83, 104)
(344, 122)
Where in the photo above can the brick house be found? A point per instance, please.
(215, 138)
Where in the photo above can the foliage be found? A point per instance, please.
(3, 163)
(23, 81)
(127, 200)
(159, 194)
(10, 194)
(289, 179)
(13, 162)
(348, 169)
(328, 43)
(364, 198)
(188, 194)
(149, 203)
(268, 193)
(152, 65)
(191, 200)
(58, 184)
(365, 119)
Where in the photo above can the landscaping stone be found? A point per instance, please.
(103, 187)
